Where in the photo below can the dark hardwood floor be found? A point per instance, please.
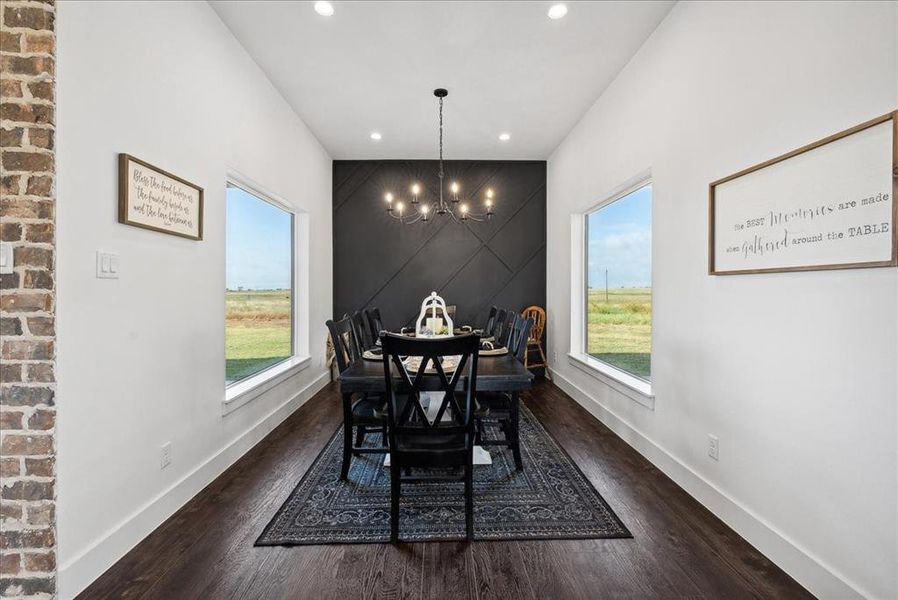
(679, 549)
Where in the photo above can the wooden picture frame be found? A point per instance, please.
(889, 262)
(152, 198)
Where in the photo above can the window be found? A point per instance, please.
(259, 329)
(618, 301)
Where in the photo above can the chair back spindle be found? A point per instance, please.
(346, 349)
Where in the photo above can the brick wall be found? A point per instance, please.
(27, 300)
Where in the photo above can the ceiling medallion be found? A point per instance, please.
(421, 209)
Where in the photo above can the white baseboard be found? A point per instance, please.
(820, 579)
(77, 573)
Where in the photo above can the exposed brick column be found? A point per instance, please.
(27, 300)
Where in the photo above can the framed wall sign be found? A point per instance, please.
(155, 199)
(828, 205)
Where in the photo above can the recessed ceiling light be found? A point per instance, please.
(556, 11)
(375, 135)
(504, 137)
(326, 9)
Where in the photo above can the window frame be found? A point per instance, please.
(244, 390)
(637, 388)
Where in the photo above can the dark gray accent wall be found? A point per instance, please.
(380, 262)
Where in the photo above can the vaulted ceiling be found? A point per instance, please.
(372, 66)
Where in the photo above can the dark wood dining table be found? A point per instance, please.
(494, 374)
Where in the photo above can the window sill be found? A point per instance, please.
(636, 389)
(242, 392)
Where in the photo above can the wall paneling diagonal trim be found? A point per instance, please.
(380, 262)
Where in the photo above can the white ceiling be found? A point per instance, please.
(508, 67)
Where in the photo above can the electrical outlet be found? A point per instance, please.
(555, 356)
(166, 454)
(713, 447)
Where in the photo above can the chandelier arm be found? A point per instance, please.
(406, 219)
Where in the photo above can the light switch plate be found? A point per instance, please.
(6, 258)
(107, 265)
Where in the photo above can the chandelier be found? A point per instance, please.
(421, 210)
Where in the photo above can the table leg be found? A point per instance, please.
(347, 435)
(515, 430)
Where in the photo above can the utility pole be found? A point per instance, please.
(606, 285)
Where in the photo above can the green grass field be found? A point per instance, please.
(619, 328)
(257, 331)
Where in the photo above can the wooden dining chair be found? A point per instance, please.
(490, 322)
(365, 412)
(504, 407)
(374, 323)
(517, 345)
(499, 324)
(511, 321)
(362, 331)
(418, 442)
(535, 343)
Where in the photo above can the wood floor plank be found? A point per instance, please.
(679, 549)
(449, 571)
(398, 573)
(498, 572)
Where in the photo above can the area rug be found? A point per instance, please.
(549, 499)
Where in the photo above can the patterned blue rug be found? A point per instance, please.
(549, 499)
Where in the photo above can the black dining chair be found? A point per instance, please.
(503, 408)
(490, 322)
(502, 338)
(361, 331)
(375, 324)
(416, 441)
(366, 412)
(498, 324)
(517, 343)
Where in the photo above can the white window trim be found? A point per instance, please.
(244, 391)
(631, 386)
(634, 388)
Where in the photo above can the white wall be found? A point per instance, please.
(794, 372)
(141, 359)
